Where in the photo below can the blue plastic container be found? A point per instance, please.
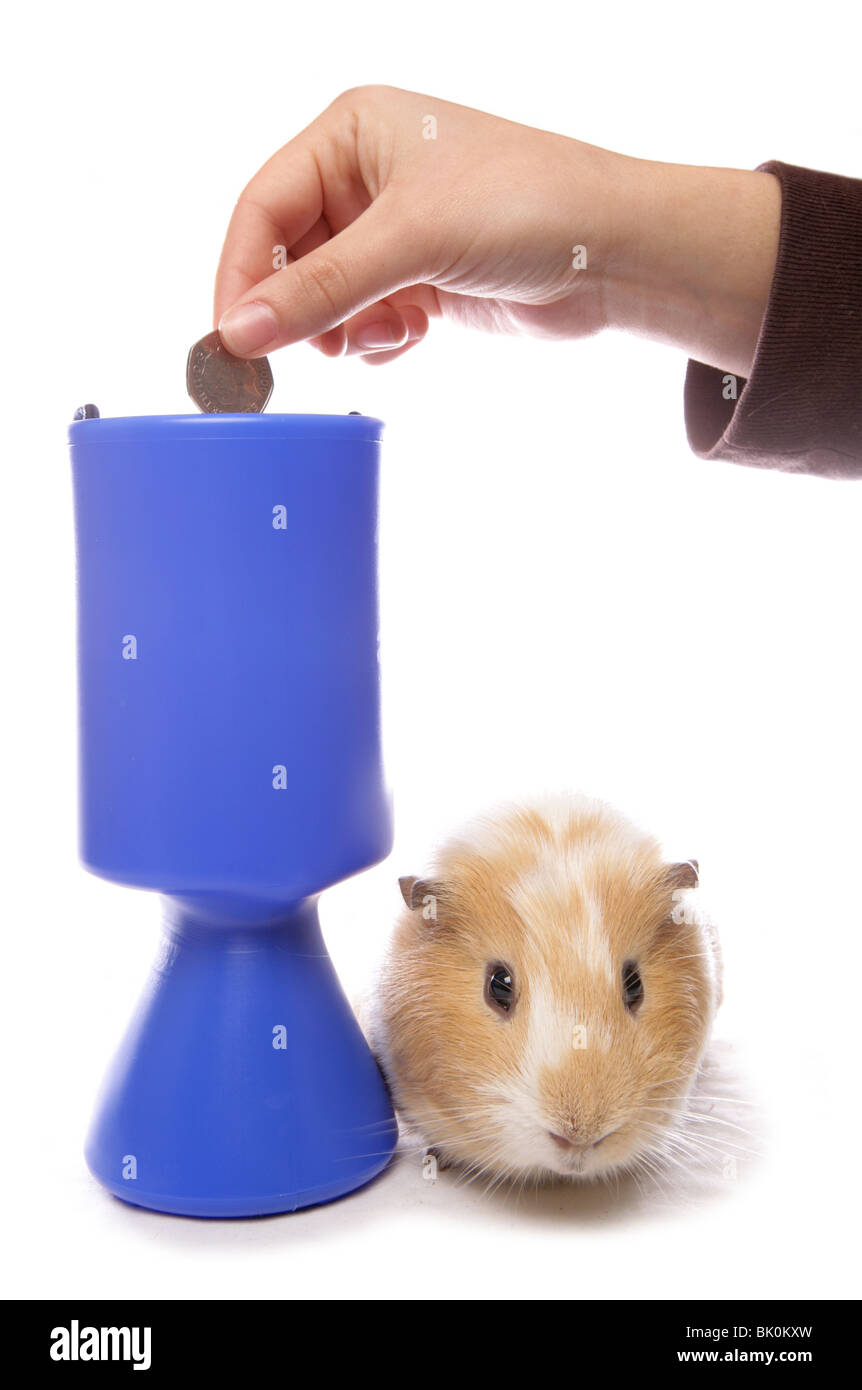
(230, 759)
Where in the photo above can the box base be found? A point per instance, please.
(244, 1085)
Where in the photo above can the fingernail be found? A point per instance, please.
(378, 335)
(248, 328)
(417, 323)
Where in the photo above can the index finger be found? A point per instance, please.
(280, 205)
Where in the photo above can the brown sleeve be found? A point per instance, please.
(800, 410)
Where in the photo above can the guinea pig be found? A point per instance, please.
(547, 995)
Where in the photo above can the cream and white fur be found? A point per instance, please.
(569, 1081)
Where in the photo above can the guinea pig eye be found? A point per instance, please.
(500, 988)
(633, 989)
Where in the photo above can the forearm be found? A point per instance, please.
(691, 260)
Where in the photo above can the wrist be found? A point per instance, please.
(692, 258)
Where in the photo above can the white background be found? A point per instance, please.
(570, 599)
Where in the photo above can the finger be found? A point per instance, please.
(375, 359)
(319, 234)
(420, 301)
(274, 210)
(266, 253)
(366, 261)
(331, 344)
(385, 326)
(315, 175)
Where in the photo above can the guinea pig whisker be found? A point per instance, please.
(685, 1140)
(721, 1100)
(666, 1107)
(505, 1177)
(721, 1145)
(467, 1109)
(696, 1097)
(672, 1080)
(374, 1153)
(677, 1144)
(682, 1121)
(657, 1176)
(667, 1160)
(701, 1145)
(661, 1159)
(473, 1174)
(385, 1126)
(708, 1119)
(692, 1117)
(693, 1138)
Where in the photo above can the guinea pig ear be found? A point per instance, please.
(421, 894)
(685, 875)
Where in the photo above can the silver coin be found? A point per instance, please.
(220, 383)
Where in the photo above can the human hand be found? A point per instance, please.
(392, 208)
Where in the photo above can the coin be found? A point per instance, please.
(220, 383)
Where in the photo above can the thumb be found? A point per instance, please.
(372, 257)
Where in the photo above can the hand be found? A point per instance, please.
(392, 208)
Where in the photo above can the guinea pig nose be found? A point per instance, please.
(602, 1137)
(562, 1142)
